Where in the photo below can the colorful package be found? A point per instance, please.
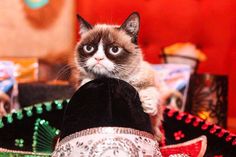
(8, 88)
(26, 69)
(176, 78)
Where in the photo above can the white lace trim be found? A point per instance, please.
(108, 141)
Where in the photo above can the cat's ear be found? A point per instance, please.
(131, 24)
(84, 25)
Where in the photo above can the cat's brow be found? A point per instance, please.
(111, 43)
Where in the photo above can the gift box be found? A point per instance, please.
(208, 98)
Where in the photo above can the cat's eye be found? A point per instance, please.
(114, 50)
(88, 48)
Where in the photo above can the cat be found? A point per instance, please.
(113, 51)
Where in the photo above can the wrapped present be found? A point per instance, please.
(175, 78)
(25, 69)
(8, 88)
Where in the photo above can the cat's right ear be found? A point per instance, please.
(84, 25)
(131, 26)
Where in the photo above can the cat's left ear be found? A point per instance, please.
(131, 24)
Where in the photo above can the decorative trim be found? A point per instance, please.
(107, 130)
(203, 140)
(106, 141)
(204, 125)
(3, 150)
(28, 111)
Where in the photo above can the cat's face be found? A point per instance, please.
(106, 50)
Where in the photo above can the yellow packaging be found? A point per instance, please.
(26, 69)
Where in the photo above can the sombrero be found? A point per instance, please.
(34, 130)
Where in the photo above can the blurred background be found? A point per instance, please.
(45, 32)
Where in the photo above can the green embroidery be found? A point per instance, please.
(59, 105)
(1, 123)
(44, 136)
(19, 142)
(48, 106)
(39, 109)
(29, 110)
(19, 115)
(9, 118)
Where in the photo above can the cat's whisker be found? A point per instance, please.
(63, 72)
(63, 69)
(122, 69)
(126, 66)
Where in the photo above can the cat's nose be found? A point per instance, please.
(99, 58)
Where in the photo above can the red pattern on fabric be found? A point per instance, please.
(204, 126)
(188, 119)
(193, 149)
(197, 121)
(234, 142)
(214, 129)
(222, 133)
(180, 116)
(179, 135)
(171, 113)
(228, 138)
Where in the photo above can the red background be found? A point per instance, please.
(210, 24)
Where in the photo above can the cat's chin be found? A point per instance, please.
(100, 70)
